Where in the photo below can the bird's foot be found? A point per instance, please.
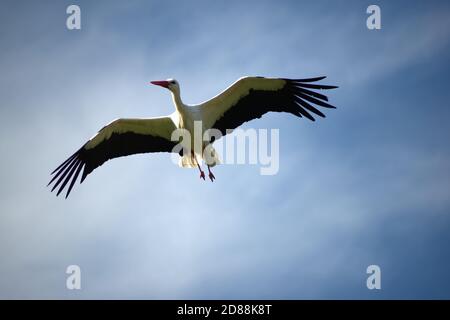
(202, 175)
(211, 176)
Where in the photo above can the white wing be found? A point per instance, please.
(251, 97)
(119, 138)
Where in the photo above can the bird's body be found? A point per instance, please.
(246, 99)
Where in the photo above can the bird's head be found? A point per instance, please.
(170, 84)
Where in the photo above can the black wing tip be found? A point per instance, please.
(67, 171)
(306, 83)
(314, 79)
(306, 97)
(315, 86)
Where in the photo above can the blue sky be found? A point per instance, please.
(367, 185)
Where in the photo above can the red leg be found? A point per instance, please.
(210, 175)
(202, 173)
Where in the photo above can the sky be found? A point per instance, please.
(368, 185)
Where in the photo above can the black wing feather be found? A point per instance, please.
(118, 145)
(314, 100)
(309, 107)
(292, 98)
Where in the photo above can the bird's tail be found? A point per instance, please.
(187, 161)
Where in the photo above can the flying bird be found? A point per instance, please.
(247, 99)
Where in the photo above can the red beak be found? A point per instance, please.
(164, 84)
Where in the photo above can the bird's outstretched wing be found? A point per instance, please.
(251, 97)
(121, 137)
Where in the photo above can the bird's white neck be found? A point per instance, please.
(179, 105)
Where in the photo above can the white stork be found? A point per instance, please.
(247, 99)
